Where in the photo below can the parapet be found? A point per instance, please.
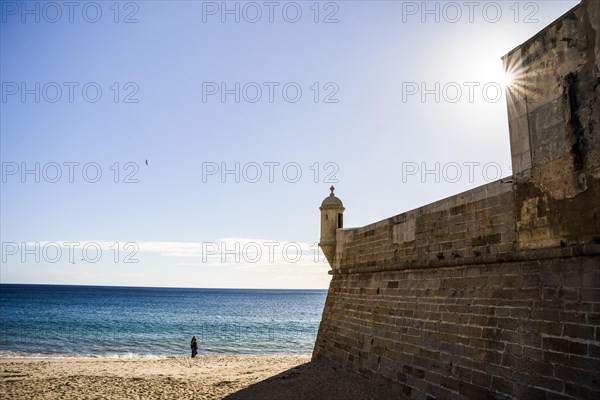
(553, 198)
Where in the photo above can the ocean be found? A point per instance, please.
(55, 321)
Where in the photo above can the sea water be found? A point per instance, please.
(52, 320)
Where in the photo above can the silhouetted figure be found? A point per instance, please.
(194, 346)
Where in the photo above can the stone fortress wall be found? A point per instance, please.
(494, 292)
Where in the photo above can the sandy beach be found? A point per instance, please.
(208, 377)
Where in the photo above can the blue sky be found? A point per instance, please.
(339, 101)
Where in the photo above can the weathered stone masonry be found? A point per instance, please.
(495, 292)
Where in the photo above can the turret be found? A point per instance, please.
(332, 213)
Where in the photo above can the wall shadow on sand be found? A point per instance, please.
(312, 381)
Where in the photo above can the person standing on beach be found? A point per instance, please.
(194, 346)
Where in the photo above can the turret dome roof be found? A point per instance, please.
(332, 201)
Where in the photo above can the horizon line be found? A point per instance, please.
(154, 287)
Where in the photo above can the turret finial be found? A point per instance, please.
(332, 189)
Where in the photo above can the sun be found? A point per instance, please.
(487, 69)
(506, 79)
